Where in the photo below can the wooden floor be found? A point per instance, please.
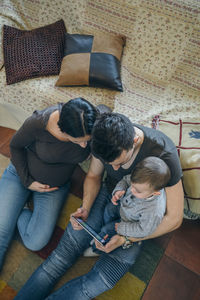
(177, 276)
(5, 136)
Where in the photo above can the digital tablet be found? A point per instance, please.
(90, 230)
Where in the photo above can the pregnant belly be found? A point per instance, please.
(54, 175)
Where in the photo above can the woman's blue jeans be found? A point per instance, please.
(103, 276)
(35, 228)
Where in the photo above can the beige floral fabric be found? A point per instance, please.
(160, 64)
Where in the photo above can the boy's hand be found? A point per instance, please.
(117, 196)
(116, 225)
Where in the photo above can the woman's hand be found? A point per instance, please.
(115, 242)
(81, 213)
(42, 188)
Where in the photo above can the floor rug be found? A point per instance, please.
(21, 262)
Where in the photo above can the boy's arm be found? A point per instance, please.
(145, 226)
(123, 184)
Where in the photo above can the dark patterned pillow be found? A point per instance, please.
(33, 53)
(92, 61)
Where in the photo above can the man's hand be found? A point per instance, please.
(117, 196)
(42, 188)
(115, 242)
(81, 213)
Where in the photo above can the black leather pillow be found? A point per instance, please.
(92, 61)
(33, 53)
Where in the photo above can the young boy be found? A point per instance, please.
(142, 201)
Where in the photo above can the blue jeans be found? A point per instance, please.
(103, 276)
(35, 228)
(111, 213)
(110, 217)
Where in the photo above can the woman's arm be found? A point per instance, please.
(25, 136)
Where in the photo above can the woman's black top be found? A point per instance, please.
(39, 156)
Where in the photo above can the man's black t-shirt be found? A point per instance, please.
(155, 143)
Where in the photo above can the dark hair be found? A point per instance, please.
(77, 117)
(152, 170)
(112, 133)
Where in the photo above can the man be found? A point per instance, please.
(117, 146)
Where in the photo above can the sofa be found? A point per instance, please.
(160, 64)
(159, 68)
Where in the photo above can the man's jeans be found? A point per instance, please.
(35, 227)
(103, 276)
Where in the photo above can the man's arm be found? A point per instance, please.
(92, 183)
(91, 188)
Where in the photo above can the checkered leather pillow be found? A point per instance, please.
(92, 61)
(33, 53)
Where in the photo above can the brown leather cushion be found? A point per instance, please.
(33, 53)
(92, 61)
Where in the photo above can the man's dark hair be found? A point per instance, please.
(151, 170)
(77, 117)
(112, 133)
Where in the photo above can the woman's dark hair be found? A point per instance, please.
(77, 117)
(112, 133)
(151, 170)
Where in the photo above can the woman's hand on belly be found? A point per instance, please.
(41, 188)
